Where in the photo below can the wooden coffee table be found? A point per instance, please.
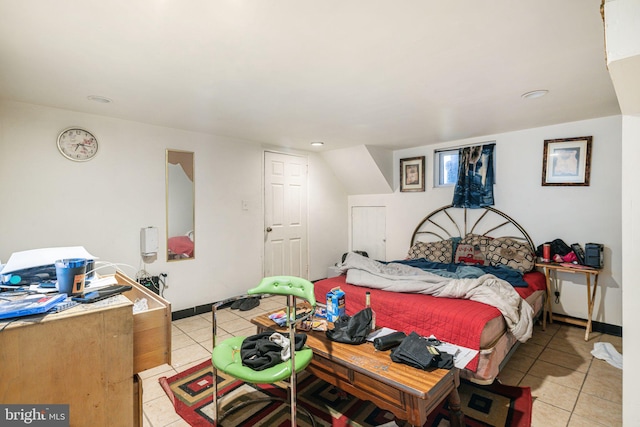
(362, 371)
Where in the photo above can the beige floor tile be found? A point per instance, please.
(179, 423)
(604, 381)
(510, 376)
(540, 338)
(272, 303)
(616, 341)
(530, 349)
(600, 410)
(191, 323)
(603, 367)
(161, 369)
(181, 340)
(206, 316)
(207, 344)
(160, 411)
(222, 335)
(520, 361)
(234, 326)
(227, 315)
(202, 334)
(571, 361)
(196, 362)
(549, 392)
(188, 355)
(580, 421)
(546, 415)
(557, 374)
(577, 333)
(151, 388)
(251, 330)
(551, 328)
(575, 347)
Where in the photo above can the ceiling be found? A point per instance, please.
(290, 72)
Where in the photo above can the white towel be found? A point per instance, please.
(606, 351)
(282, 341)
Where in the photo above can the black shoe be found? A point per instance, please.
(249, 303)
(237, 303)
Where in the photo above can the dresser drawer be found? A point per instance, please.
(151, 328)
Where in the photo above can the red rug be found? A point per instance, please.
(190, 391)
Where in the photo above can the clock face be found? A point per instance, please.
(77, 144)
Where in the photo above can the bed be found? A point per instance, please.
(484, 238)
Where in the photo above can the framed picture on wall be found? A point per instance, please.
(566, 161)
(412, 174)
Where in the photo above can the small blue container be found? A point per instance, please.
(70, 274)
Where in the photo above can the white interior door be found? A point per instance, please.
(368, 231)
(285, 206)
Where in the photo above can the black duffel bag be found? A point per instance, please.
(351, 330)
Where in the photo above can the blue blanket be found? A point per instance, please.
(463, 271)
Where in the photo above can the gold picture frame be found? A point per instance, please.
(567, 161)
(412, 174)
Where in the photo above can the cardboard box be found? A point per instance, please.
(335, 304)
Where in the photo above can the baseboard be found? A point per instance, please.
(603, 328)
(606, 328)
(193, 311)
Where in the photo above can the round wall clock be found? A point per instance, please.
(77, 144)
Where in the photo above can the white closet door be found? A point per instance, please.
(285, 206)
(368, 231)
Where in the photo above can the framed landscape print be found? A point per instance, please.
(412, 174)
(566, 161)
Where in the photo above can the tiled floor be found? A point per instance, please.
(570, 387)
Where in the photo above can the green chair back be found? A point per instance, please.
(286, 285)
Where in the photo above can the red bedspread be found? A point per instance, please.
(456, 321)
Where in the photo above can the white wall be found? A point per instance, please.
(574, 214)
(50, 201)
(631, 271)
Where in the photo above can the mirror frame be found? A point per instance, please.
(186, 159)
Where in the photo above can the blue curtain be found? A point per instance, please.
(474, 188)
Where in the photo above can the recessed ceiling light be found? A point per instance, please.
(535, 94)
(100, 99)
(317, 143)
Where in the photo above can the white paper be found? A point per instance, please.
(461, 355)
(44, 256)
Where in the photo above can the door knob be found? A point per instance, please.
(269, 229)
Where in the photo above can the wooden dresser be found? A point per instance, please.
(87, 357)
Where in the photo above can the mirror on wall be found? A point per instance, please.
(180, 205)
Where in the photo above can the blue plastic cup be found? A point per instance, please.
(70, 275)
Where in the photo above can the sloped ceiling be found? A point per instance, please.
(362, 170)
(373, 73)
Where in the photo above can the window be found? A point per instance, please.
(445, 168)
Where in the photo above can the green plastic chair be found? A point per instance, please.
(226, 355)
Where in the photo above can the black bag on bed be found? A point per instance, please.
(351, 330)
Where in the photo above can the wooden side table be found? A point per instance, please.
(551, 275)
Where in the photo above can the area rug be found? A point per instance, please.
(191, 394)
